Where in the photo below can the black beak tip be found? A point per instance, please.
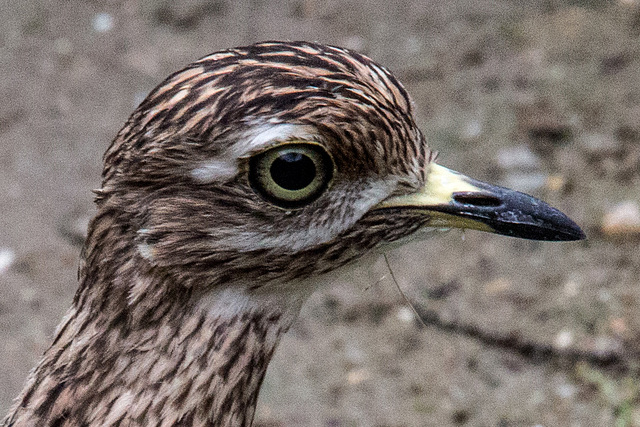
(572, 232)
(565, 231)
(516, 214)
(547, 223)
(556, 226)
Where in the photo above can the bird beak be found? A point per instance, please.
(453, 200)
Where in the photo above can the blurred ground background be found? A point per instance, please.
(542, 96)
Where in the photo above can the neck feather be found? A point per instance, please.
(136, 349)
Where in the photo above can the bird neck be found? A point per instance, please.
(137, 349)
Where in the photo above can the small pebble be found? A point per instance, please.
(103, 22)
(618, 325)
(566, 390)
(518, 158)
(604, 295)
(354, 354)
(528, 182)
(472, 130)
(498, 286)
(571, 288)
(555, 183)
(522, 169)
(600, 144)
(7, 257)
(357, 376)
(404, 314)
(563, 339)
(622, 220)
(606, 345)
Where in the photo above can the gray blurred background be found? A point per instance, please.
(542, 96)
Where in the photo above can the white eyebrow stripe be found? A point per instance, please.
(225, 166)
(262, 135)
(219, 170)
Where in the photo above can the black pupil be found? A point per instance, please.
(293, 171)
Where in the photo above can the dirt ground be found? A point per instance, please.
(542, 96)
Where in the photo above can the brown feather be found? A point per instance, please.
(186, 286)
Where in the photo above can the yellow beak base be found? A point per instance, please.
(453, 200)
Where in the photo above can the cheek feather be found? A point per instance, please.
(293, 241)
(292, 236)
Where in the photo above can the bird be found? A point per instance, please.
(241, 184)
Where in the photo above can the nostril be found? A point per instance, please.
(477, 199)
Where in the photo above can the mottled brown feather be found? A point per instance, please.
(140, 345)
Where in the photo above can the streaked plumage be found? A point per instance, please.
(191, 273)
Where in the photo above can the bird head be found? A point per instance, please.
(279, 161)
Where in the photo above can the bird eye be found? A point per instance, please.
(291, 175)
